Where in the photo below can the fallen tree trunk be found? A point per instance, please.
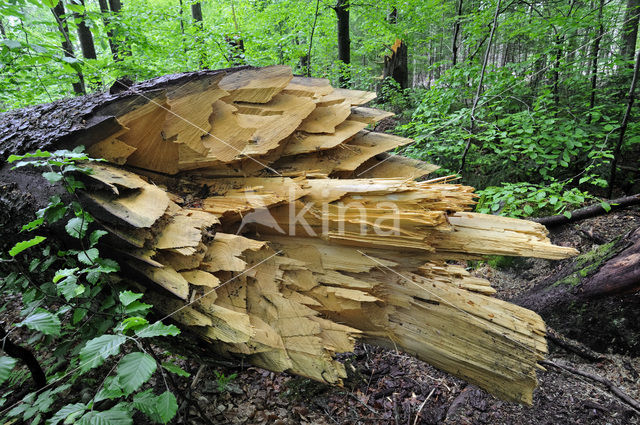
(595, 298)
(590, 211)
(263, 218)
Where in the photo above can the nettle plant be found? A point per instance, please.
(87, 329)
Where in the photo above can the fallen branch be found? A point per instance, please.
(573, 346)
(590, 211)
(614, 389)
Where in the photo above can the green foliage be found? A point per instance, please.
(79, 315)
(223, 380)
(529, 200)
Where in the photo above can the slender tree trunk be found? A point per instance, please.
(123, 50)
(559, 41)
(67, 46)
(184, 46)
(85, 36)
(196, 14)
(623, 126)
(344, 40)
(313, 29)
(595, 52)
(479, 88)
(2, 31)
(104, 9)
(630, 30)
(456, 31)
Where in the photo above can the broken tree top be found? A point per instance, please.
(266, 218)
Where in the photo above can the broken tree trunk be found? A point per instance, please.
(594, 299)
(265, 218)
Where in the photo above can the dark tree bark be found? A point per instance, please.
(85, 36)
(587, 212)
(456, 31)
(113, 46)
(396, 65)
(67, 46)
(307, 58)
(625, 123)
(392, 17)
(344, 39)
(630, 30)
(184, 47)
(2, 31)
(196, 13)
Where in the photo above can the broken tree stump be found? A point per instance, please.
(266, 219)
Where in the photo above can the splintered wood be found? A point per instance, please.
(293, 233)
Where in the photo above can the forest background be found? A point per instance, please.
(526, 98)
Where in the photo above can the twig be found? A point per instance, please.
(415, 422)
(614, 389)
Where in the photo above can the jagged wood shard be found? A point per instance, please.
(294, 233)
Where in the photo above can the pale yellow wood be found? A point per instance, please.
(355, 97)
(301, 142)
(140, 208)
(369, 115)
(324, 119)
(112, 149)
(256, 85)
(310, 87)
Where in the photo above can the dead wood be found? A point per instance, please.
(590, 211)
(270, 225)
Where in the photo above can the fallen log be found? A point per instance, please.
(590, 211)
(594, 299)
(266, 219)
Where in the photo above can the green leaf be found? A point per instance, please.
(133, 323)
(52, 176)
(33, 224)
(605, 206)
(69, 289)
(50, 3)
(127, 297)
(137, 306)
(95, 236)
(67, 413)
(567, 214)
(62, 273)
(174, 368)
(528, 209)
(160, 409)
(6, 365)
(89, 256)
(12, 45)
(42, 321)
(21, 246)
(118, 415)
(36, 154)
(77, 227)
(134, 370)
(97, 350)
(157, 329)
(553, 200)
(110, 390)
(79, 314)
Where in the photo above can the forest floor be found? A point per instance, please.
(388, 387)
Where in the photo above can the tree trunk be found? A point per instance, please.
(590, 299)
(456, 31)
(625, 122)
(85, 36)
(630, 31)
(196, 13)
(595, 52)
(396, 65)
(67, 46)
(113, 46)
(290, 300)
(344, 40)
(2, 31)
